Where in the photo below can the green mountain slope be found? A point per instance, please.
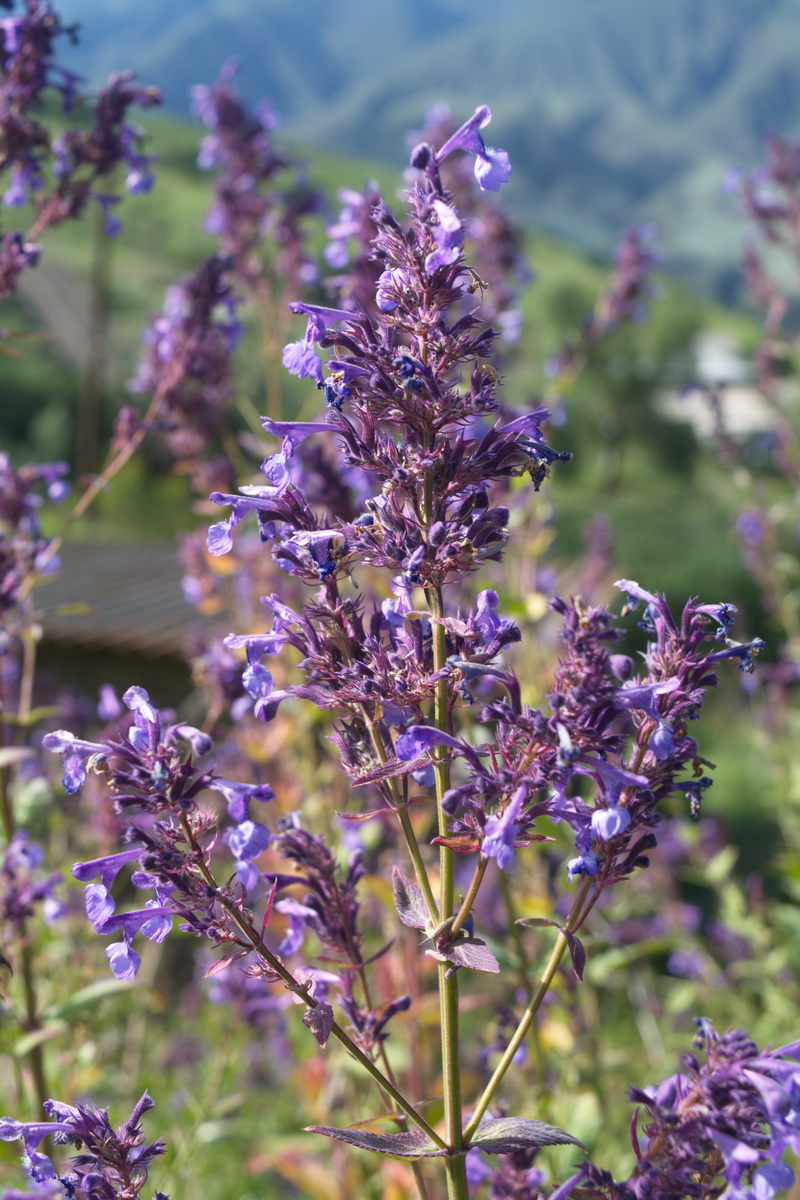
(614, 111)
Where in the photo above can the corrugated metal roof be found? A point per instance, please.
(133, 590)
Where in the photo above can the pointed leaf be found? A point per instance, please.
(389, 769)
(268, 909)
(462, 843)
(409, 900)
(505, 1134)
(362, 816)
(536, 922)
(38, 1037)
(224, 963)
(87, 998)
(474, 954)
(412, 1144)
(320, 1021)
(577, 953)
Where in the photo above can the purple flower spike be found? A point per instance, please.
(492, 167)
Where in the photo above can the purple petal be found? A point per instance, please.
(492, 169)
(99, 905)
(295, 432)
(125, 962)
(248, 840)
(608, 822)
(301, 359)
(107, 867)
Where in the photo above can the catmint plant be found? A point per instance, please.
(60, 175)
(373, 519)
(108, 1162)
(397, 674)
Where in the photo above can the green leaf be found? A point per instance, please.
(86, 998)
(38, 1037)
(721, 865)
(503, 1134)
(412, 1144)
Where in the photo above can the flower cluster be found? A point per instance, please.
(23, 888)
(719, 1127)
(108, 1162)
(187, 364)
(79, 158)
(541, 756)
(22, 543)
(329, 910)
(254, 207)
(149, 771)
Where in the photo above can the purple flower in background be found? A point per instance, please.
(109, 1162)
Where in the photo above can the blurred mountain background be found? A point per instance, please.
(614, 111)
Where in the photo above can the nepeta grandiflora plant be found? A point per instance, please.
(60, 176)
(430, 718)
(419, 458)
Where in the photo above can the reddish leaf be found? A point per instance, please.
(225, 962)
(578, 955)
(320, 1021)
(409, 900)
(472, 953)
(270, 902)
(463, 843)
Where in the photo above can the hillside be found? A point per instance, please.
(614, 112)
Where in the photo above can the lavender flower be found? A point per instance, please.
(108, 1162)
(22, 544)
(720, 1126)
(187, 365)
(22, 888)
(150, 772)
(79, 158)
(255, 210)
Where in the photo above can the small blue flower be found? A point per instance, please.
(608, 822)
(492, 167)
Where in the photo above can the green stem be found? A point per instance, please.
(448, 980)
(302, 991)
(33, 1025)
(530, 1012)
(401, 809)
(469, 899)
